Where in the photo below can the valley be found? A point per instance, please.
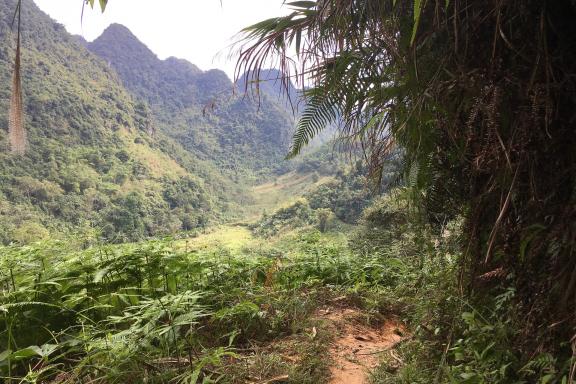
(127, 151)
(382, 193)
(219, 271)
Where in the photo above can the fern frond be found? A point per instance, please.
(6, 307)
(320, 111)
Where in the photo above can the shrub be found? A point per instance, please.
(30, 232)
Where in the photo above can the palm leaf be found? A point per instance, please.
(320, 111)
(103, 4)
(417, 12)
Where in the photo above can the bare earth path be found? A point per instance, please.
(358, 347)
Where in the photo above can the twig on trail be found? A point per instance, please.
(392, 346)
(395, 357)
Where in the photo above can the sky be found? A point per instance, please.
(200, 31)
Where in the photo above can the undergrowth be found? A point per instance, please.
(158, 312)
(151, 312)
(459, 335)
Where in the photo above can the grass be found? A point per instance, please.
(157, 163)
(230, 237)
(282, 192)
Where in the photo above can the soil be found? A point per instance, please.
(358, 346)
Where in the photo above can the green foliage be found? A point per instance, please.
(486, 132)
(159, 311)
(100, 158)
(484, 352)
(293, 216)
(30, 232)
(324, 160)
(385, 219)
(119, 310)
(346, 196)
(324, 216)
(319, 112)
(244, 138)
(456, 340)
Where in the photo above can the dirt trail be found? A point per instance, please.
(358, 347)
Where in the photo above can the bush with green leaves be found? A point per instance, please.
(295, 215)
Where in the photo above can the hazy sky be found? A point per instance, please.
(200, 31)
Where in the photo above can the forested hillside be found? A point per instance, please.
(175, 150)
(204, 111)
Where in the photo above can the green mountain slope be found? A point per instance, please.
(96, 160)
(242, 136)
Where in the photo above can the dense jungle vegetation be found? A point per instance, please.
(152, 231)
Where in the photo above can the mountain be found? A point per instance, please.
(99, 160)
(245, 138)
(269, 82)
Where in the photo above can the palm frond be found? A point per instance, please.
(320, 112)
